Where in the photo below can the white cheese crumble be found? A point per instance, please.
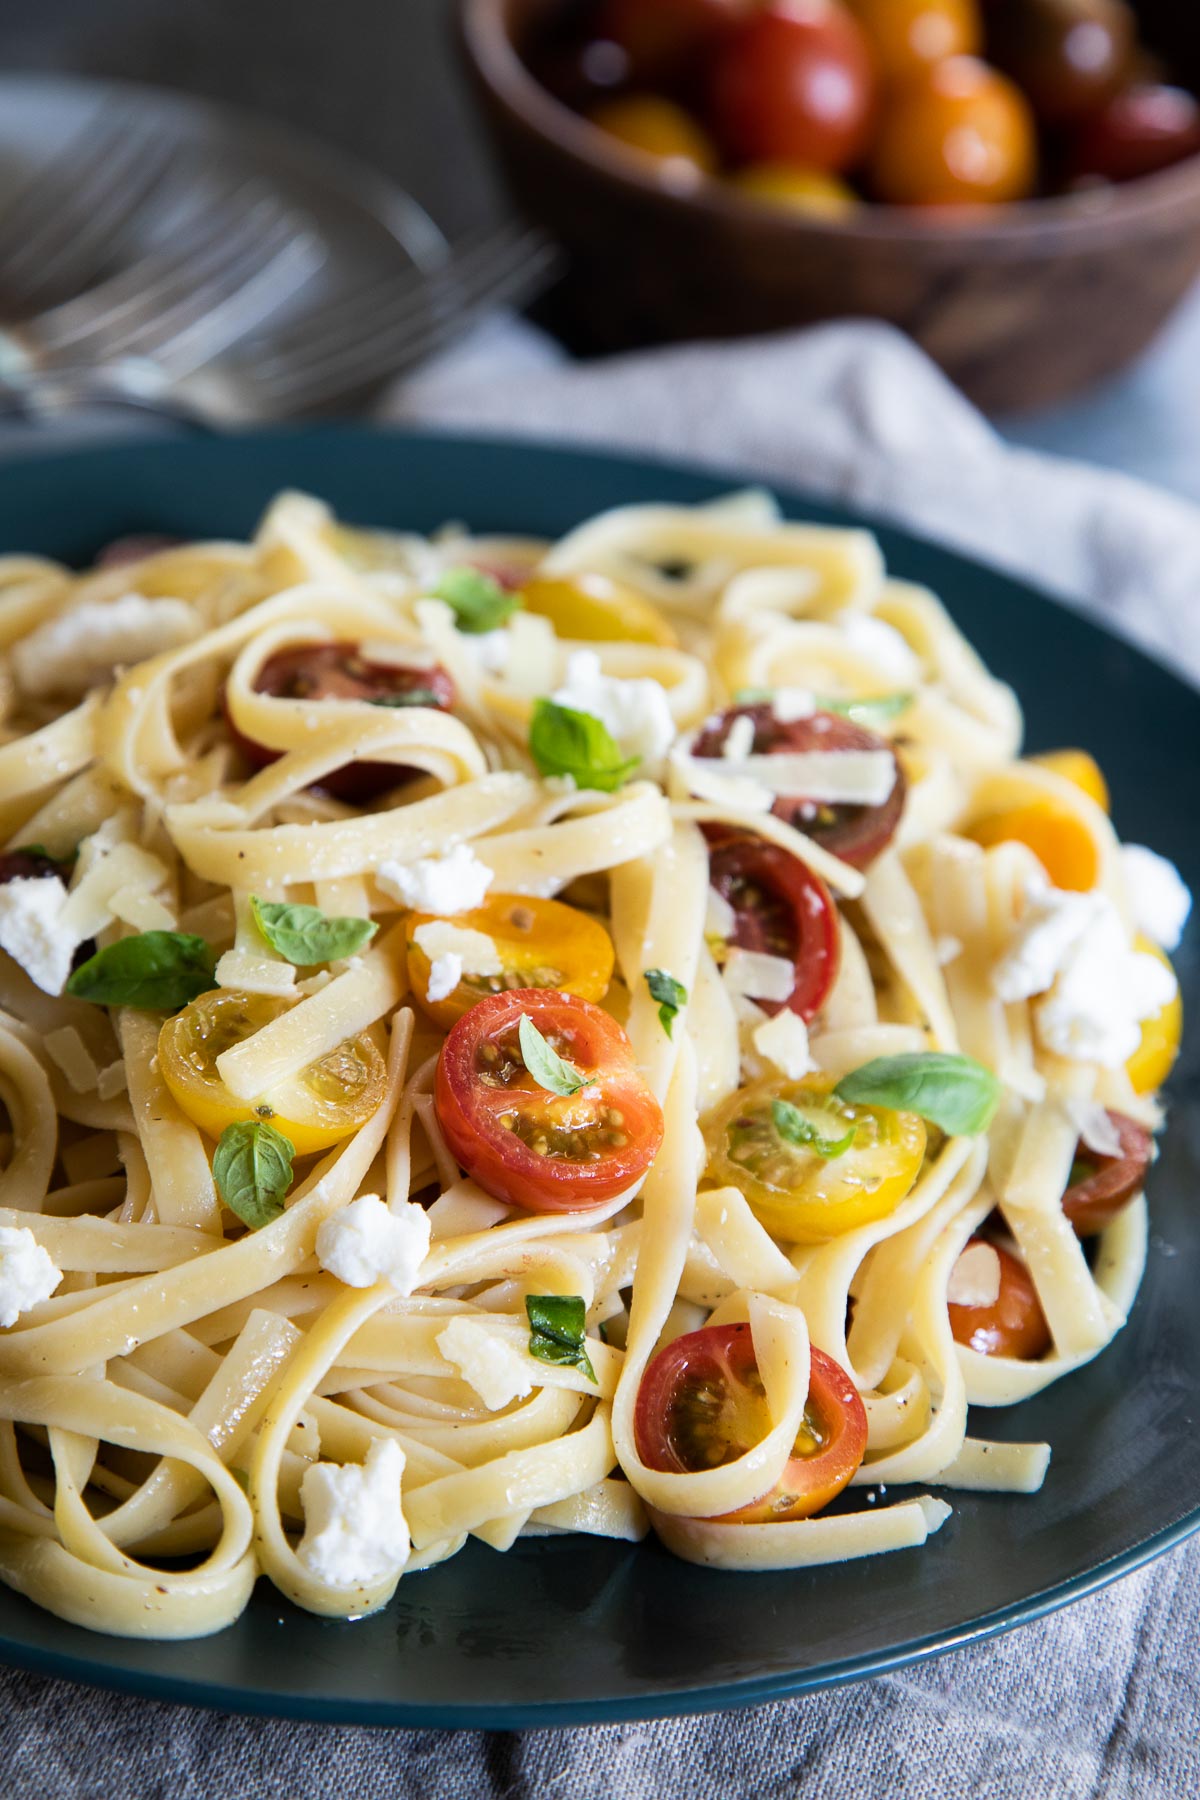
(445, 973)
(28, 1273)
(32, 932)
(739, 739)
(1160, 898)
(449, 884)
(720, 920)
(82, 647)
(355, 1533)
(758, 976)
(881, 644)
(636, 713)
(368, 1241)
(1052, 926)
(487, 1362)
(975, 1277)
(792, 703)
(1096, 1130)
(947, 950)
(783, 1040)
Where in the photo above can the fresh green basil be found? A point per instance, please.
(479, 603)
(670, 994)
(869, 713)
(545, 1064)
(794, 1128)
(156, 971)
(253, 1171)
(955, 1093)
(565, 742)
(306, 935)
(556, 1331)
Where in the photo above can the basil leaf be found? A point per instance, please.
(253, 1171)
(873, 712)
(556, 1323)
(670, 994)
(565, 742)
(305, 935)
(955, 1093)
(413, 696)
(792, 1126)
(156, 971)
(479, 603)
(546, 1065)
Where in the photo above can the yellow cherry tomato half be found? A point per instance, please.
(1081, 770)
(540, 944)
(596, 610)
(800, 1195)
(1154, 1057)
(1058, 838)
(315, 1109)
(658, 128)
(813, 192)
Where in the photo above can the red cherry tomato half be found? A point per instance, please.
(794, 83)
(30, 865)
(781, 909)
(855, 833)
(662, 38)
(543, 1151)
(1146, 128)
(1014, 1324)
(1068, 56)
(1102, 1185)
(702, 1404)
(339, 672)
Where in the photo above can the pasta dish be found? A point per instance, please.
(505, 1038)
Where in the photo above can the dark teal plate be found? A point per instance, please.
(563, 1631)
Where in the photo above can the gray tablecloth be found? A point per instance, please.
(1100, 1702)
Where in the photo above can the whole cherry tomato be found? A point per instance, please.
(661, 130)
(959, 135)
(1145, 128)
(1010, 1324)
(1102, 1185)
(702, 1404)
(794, 83)
(662, 38)
(780, 908)
(790, 188)
(1068, 56)
(908, 35)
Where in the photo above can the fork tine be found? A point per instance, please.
(244, 305)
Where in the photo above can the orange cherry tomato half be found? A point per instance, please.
(1102, 1185)
(855, 833)
(532, 1148)
(541, 944)
(959, 135)
(1057, 836)
(1011, 1325)
(794, 83)
(1146, 127)
(1068, 56)
(702, 1404)
(908, 35)
(781, 909)
(1081, 770)
(341, 672)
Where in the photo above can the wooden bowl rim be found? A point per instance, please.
(1095, 213)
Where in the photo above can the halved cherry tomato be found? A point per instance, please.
(541, 943)
(702, 1404)
(1144, 128)
(908, 35)
(855, 833)
(1058, 838)
(793, 189)
(1013, 1324)
(546, 1152)
(1067, 55)
(339, 672)
(317, 1108)
(798, 1194)
(663, 38)
(1081, 770)
(1154, 1057)
(596, 609)
(781, 909)
(135, 548)
(959, 135)
(30, 865)
(661, 130)
(794, 83)
(1102, 1185)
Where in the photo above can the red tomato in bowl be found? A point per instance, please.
(780, 909)
(1102, 1185)
(1013, 1324)
(1145, 128)
(545, 1151)
(794, 83)
(1068, 56)
(702, 1404)
(662, 37)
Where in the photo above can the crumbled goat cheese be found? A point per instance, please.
(31, 929)
(1160, 898)
(1052, 926)
(947, 950)
(1096, 1129)
(449, 884)
(487, 1362)
(445, 973)
(792, 703)
(720, 920)
(28, 1273)
(758, 976)
(739, 739)
(975, 1277)
(491, 650)
(452, 951)
(636, 713)
(82, 647)
(881, 644)
(368, 1241)
(783, 1040)
(355, 1533)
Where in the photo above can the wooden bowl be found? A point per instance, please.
(1021, 304)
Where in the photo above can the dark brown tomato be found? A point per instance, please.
(1102, 1185)
(857, 834)
(1069, 56)
(1146, 127)
(30, 865)
(1011, 1325)
(781, 909)
(340, 672)
(794, 83)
